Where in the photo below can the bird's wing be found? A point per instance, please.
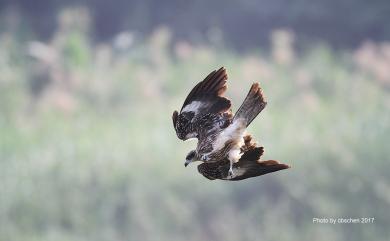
(247, 169)
(206, 96)
(205, 100)
(252, 105)
(248, 166)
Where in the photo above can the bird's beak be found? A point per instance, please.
(187, 162)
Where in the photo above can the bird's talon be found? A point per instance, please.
(231, 173)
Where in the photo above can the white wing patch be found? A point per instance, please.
(194, 106)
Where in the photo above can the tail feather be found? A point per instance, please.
(253, 104)
(248, 166)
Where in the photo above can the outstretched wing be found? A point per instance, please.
(253, 104)
(247, 169)
(204, 101)
(248, 166)
(206, 96)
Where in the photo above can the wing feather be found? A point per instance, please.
(248, 166)
(206, 96)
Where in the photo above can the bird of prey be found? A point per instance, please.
(225, 149)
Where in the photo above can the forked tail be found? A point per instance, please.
(253, 104)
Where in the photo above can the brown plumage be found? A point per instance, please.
(204, 105)
(248, 166)
(211, 89)
(222, 145)
(253, 104)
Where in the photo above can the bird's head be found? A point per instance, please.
(191, 157)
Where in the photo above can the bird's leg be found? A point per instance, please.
(234, 156)
(231, 173)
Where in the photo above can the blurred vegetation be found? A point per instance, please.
(88, 152)
(243, 24)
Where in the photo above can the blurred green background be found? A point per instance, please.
(87, 147)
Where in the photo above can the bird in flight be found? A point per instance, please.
(224, 147)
